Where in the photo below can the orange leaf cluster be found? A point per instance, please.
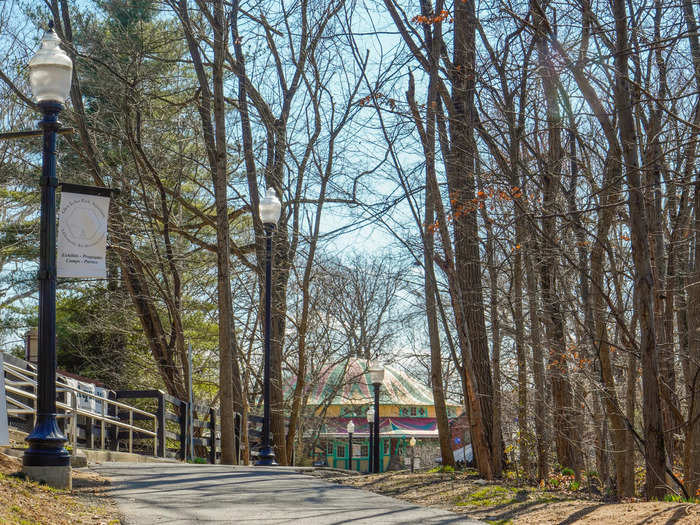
(581, 360)
(364, 101)
(477, 203)
(428, 20)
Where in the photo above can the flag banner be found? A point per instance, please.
(4, 432)
(82, 236)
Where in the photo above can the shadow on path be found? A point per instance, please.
(180, 494)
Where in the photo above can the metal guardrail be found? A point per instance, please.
(22, 383)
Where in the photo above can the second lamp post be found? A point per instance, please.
(270, 209)
(376, 377)
(370, 451)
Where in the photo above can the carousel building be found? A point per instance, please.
(344, 394)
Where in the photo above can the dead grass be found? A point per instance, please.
(511, 503)
(24, 502)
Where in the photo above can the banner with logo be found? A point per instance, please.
(82, 235)
(4, 432)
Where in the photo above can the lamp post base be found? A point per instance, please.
(56, 477)
(46, 444)
(266, 458)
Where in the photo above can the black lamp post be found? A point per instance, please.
(376, 377)
(50, 77)
(350, 428)
(370, 453)
(270, 209)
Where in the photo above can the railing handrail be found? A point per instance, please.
(67, 387)
(21, 380)
(27, 378)
(87, 413)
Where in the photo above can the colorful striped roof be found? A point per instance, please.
(347, 383)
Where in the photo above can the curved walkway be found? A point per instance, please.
(150, 493)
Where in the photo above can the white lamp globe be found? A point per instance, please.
(370, 415)
(351, 427)
(50, 70)
(270, 208)
(376, 373)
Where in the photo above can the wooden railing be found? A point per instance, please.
(158, 426)
(173, 434)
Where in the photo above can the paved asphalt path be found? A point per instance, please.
(168, 493)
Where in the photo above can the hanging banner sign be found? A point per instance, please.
(4, 432)
(82, 233)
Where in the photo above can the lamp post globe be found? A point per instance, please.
(50, 71)
(376, 373)
(46, 458)
(269, 209)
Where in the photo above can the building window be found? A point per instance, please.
(413, 411)
(364, 451)
(340, 451)
(329, 448)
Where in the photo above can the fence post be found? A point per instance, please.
(212, 436)
(161, 424)
(237, 436)
(182, 416)
(113, 411)
(74, 422)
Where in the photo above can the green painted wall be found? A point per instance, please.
(336, 453)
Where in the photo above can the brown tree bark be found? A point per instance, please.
(427, 135)
(538, 371)
(613, 409)
(496, 442)
(431, 291)
(689, 323)
(461, 184)
(213, 120)
(567, 436)
(655, 453)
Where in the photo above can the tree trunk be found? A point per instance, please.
(689, 323)
(655, 454)
(461, 183)
(693, 290)
(431, 291)
(567, 435)
(496, 443)
(541, 413)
